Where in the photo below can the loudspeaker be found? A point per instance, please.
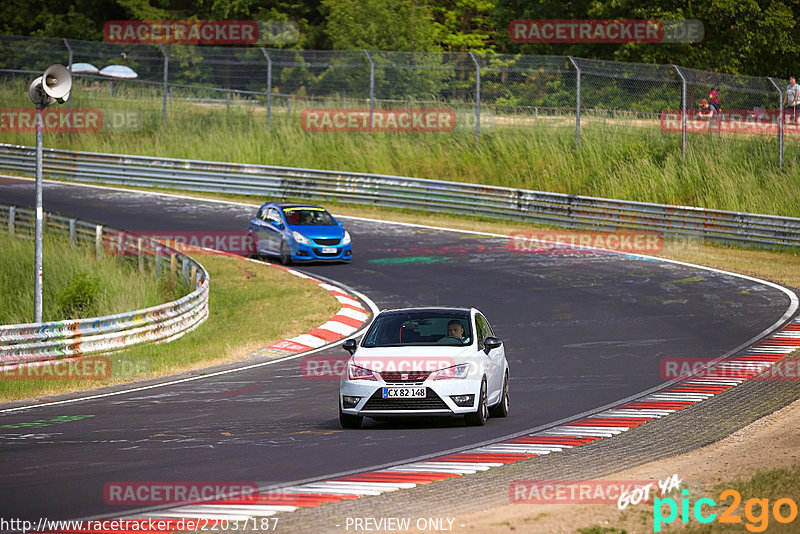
(57, 82)
(38, 96)
(51, 87)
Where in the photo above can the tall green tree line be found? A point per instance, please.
(756, 37)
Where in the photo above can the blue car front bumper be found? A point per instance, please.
(302, 252)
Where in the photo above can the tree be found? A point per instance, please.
(464, 25)
(81, 19)
(755, 37)
(402, 25)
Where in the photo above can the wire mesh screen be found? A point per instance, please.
(481, 90)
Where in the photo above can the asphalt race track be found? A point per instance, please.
(581, 330)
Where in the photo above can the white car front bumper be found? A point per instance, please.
(438, 399)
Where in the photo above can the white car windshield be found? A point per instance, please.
(395, 329)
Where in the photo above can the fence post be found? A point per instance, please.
(780, 121)
(477, 99)
(139, 250)
(12, 211)
(577, 103)
(73, 238)
(683, 111)
(269, 84)
(69, 66)
(166, 83)
(158, 259)
(371, 89)
(98, 240)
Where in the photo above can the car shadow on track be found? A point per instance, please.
(405, 423)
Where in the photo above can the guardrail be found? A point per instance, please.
(35, 342)
(556, 209)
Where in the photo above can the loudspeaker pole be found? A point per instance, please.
(37, 285)
(52, 86)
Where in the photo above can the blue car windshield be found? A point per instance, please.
(308, 216)
(422, 327)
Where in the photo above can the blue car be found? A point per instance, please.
(298, 233)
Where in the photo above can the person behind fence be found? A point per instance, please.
(713, 98)
(792, 98)
(705, 110)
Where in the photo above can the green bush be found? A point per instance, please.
(79, 298)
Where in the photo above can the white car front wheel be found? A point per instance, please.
(479, 416)
(501, 408)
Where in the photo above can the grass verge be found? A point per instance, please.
(251, 306)
(76, 283)
(629, 159)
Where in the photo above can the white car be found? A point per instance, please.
(425, 361)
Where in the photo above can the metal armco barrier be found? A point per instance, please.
(556, 209)
(26, 343)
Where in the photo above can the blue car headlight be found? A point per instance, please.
(346, 238)
(300, 238)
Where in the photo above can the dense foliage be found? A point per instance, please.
(757, 37)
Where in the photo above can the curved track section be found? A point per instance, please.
(582, 330)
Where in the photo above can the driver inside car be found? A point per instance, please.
(455, 329)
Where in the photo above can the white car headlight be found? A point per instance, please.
(346, 238)
(355, 372)
(300, 238)
(457, 371)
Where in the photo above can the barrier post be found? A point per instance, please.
(73, 238)
(98, 240)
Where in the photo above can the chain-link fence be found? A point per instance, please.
(305, 87)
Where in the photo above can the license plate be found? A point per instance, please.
(328, 250)
(404, 393)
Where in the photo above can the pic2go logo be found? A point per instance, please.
(756, 511)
